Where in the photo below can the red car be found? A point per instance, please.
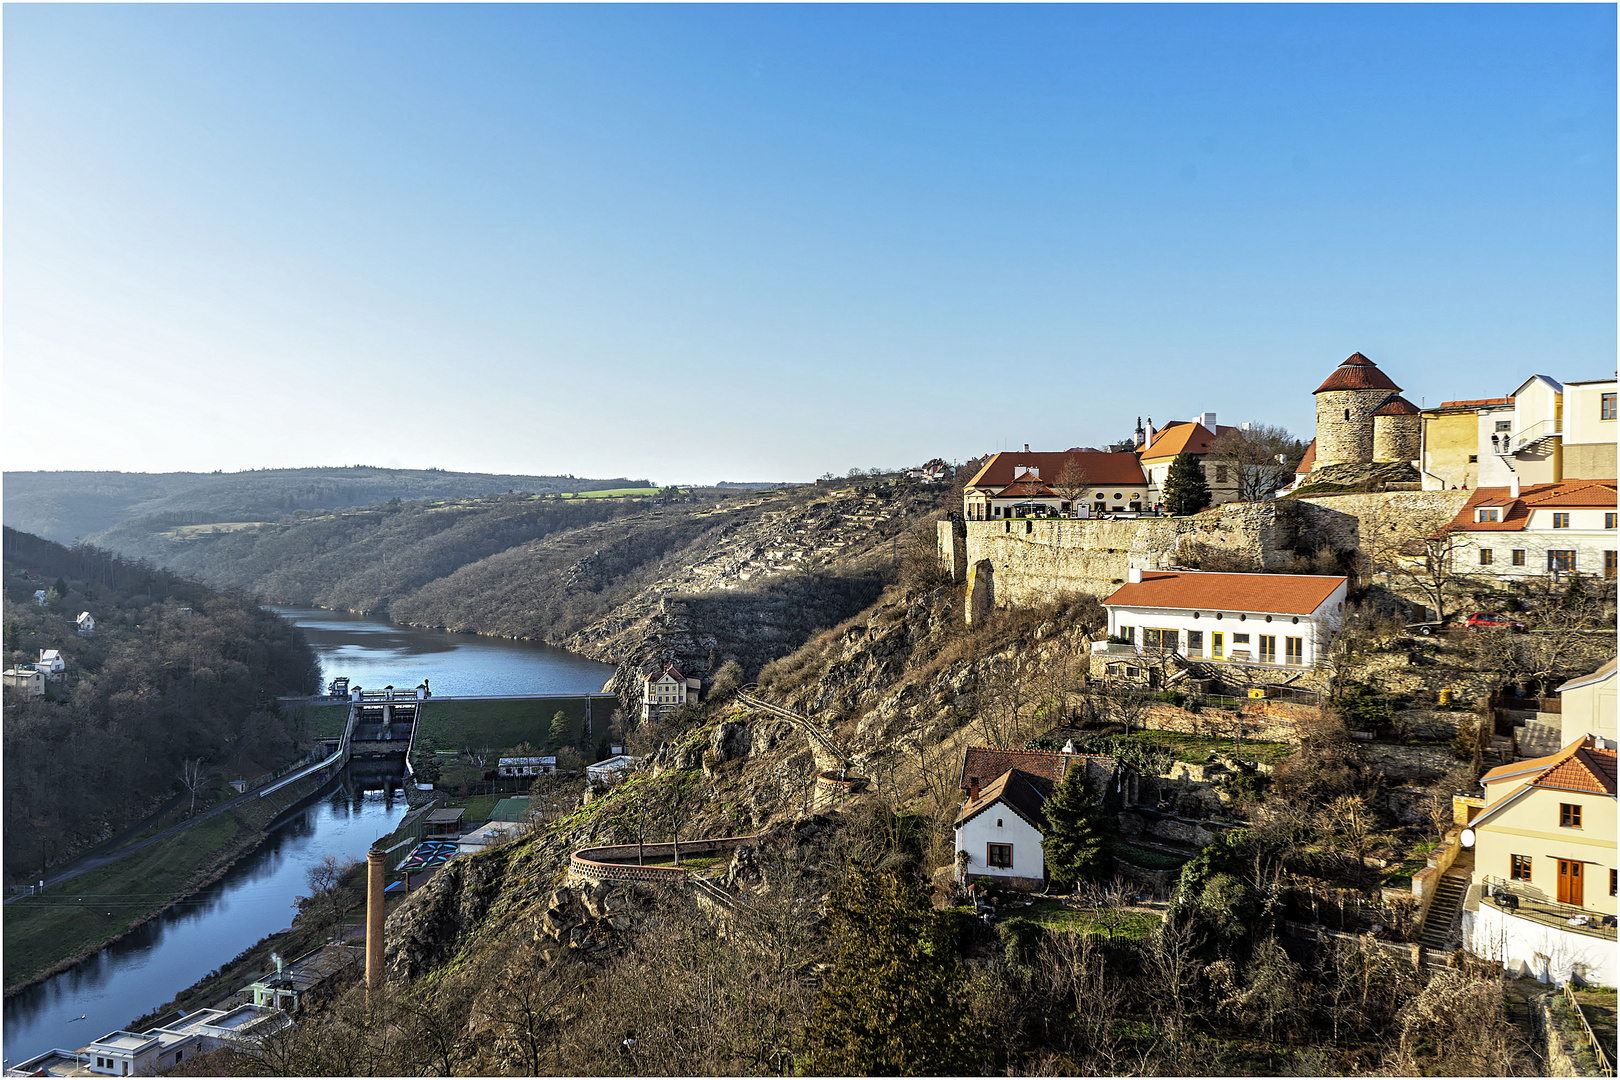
(1491, 620)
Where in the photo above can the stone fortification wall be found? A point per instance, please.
(1397, 438)
(1012, 563)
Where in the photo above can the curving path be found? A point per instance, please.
(820, 742)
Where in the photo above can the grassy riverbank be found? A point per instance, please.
(51, 932)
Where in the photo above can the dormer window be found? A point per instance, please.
(1488, 513)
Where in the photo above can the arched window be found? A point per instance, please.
(1347, 414)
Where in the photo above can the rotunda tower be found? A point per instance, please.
(1344, 407)
(1397, 430)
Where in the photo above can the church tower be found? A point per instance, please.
(1345, 404)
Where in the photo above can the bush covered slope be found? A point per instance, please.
(174, 671)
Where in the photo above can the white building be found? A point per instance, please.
(39, 597)
(998, 832)
(1273, 620)
(526, 766)
(87, 624)
(667, 690)
(51, 663)
(1587, 706)
(610, 770)
(1527, 532)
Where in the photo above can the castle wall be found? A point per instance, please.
(1344, 429)
(1032, 560)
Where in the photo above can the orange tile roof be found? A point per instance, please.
(1357, 373)
(1307, 462)
(1105, 470)
(982, 763)
(1516, 512)
(1580, 766)
(1183, 437)
(1476, 403)
(1286, 594)
(1027, 486)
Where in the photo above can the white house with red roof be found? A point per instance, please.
(1526, 532)
(1000, 827)
(1277, 621)
(666, 690)
(1542, 895)
(1068, 480)
(1193, 437)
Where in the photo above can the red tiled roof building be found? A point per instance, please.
(1345, 404)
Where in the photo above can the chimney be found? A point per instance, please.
(1513, 485)
(1026, 448)
(1134, 575)
(374, 919)
(973, 788)
(1208, 420)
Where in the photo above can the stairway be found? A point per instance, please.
(1436, 931)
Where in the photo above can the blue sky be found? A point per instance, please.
(735, 242)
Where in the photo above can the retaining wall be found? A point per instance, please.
(602, 863)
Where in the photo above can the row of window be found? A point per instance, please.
(1170, 641)
(1557, 559)
(1560, 520)
(1521, 868)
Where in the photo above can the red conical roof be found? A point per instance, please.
(1395, 405)
(1357, 373)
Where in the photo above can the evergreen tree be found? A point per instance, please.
(1076, 836)
(561, 730)
(894, 1003)
(1185, 489)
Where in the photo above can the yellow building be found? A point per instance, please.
(1542, 433)
(1587, 705)
(1542, 899)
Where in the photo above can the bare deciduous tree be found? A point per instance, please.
(1262, 458)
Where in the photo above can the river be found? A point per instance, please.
(147, 968)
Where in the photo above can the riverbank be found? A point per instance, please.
(68, 923)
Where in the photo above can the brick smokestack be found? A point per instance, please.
(374, 919)
(973, 788)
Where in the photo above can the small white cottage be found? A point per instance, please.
(998, 832)
(87, 624)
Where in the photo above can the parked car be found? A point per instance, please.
(1426, 629)
(1492, 620)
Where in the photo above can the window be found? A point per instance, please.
(1240, 639)
(998, 823)
(1569, 815)
(1296, 650)
(1347, 414)
(998, 855)
(1521, 868)
(1487, 556)
(1608, 407)
(1560, 560)
(1504, 425)
(1117, 495)
(1220, 474)
(1609, 566)
(1473, 459)
(1613, 883)
(1195, 643)
(1518, 556)
(1268, 649)
(1128, 633)
(1561, 521)
(1493, 514)
(1160, 639)
(1609, 519)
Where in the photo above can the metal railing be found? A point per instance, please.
(1543, 429)
(1605, 1066)
(1531, 904)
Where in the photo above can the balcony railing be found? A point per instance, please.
(1529, 903)
(1237, 656)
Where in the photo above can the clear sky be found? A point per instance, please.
(734, 242)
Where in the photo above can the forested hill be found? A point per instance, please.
(174, 671)
(67, 506)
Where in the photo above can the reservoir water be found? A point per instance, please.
(135, 975)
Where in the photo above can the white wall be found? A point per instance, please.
(1315, 629)
(1588, 545)
(999, 825)
(1493, 471)
(1544, 952)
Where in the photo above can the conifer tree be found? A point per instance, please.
(1076, 834)
(561, 729)
(1185, 489)
(894, 1003)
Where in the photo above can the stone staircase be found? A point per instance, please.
(1437, 931)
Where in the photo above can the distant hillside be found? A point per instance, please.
(68, 506)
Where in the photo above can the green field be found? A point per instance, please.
(43, 930)
(321, 721)
(1055, 916)
(610, 493)
(1200, 749)
(501, 725)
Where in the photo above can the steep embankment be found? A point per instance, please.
(64, 506)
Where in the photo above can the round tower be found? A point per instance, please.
(1397, 430)
(1344, 407)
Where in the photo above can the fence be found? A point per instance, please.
(603, 863)
(1604, 1064)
